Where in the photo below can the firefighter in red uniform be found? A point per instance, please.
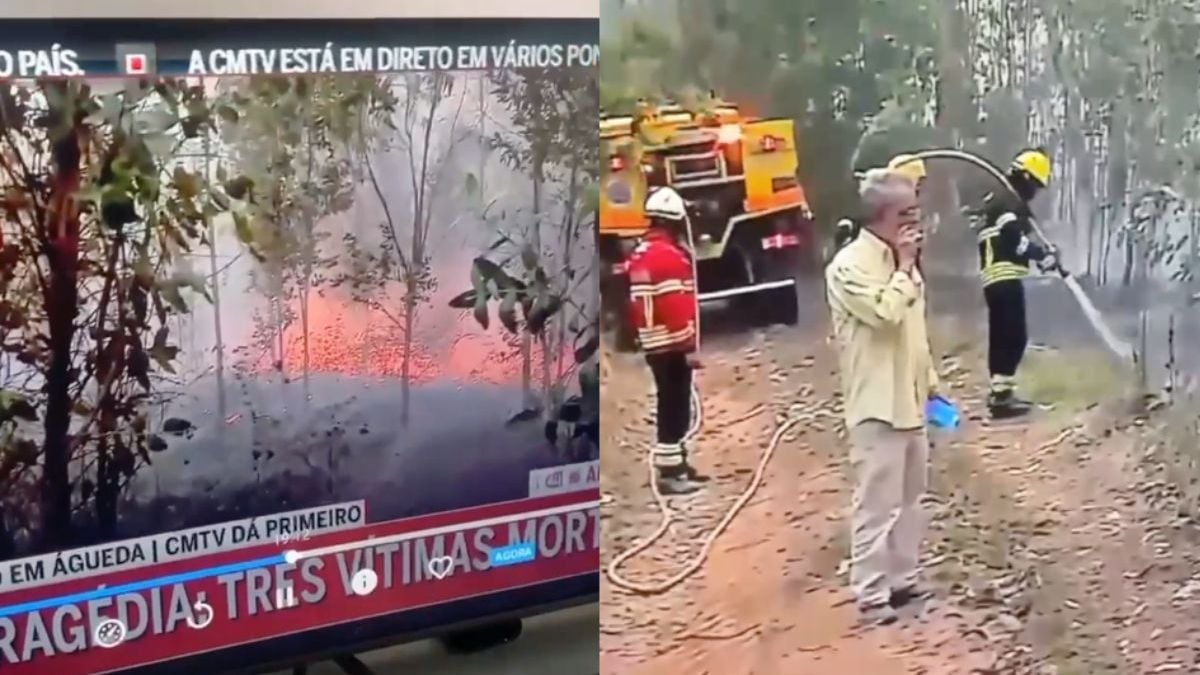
(662, 291)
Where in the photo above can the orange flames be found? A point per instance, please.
(349, 338)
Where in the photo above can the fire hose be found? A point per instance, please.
(1121, 349)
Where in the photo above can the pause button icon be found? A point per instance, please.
(285, 597)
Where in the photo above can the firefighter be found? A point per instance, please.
(909, 166)
(1005, 253)
(662, 291)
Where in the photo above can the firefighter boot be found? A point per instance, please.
(1004, 404)
(690, 471)
(673, 482)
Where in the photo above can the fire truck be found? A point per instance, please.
(752, 229)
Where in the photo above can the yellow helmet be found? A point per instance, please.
(1035, 163)
(909, 166)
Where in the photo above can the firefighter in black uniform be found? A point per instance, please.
(1005, 253)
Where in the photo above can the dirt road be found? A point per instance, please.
(1055, 546)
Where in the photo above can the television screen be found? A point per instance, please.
(297, 335)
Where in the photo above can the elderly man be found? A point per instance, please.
(909, 166)
(877, 300)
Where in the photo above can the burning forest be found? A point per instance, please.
(227, 298)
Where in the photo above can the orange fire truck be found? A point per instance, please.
(751, 224)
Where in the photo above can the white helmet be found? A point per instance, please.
(665, 203)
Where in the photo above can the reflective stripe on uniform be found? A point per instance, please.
(668, 286)
(654, 338)
(994, 271)
(668, 455)
(1003, 271)
(1002, 383)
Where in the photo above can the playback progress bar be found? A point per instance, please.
(137, 586)
(289, 557)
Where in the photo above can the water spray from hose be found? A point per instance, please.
(1119, 348)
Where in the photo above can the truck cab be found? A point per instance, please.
(750, 224)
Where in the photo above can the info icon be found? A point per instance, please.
(137, 60)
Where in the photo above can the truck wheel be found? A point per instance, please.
(782, 306)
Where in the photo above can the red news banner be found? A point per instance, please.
(248, 605)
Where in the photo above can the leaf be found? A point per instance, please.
(589, 201)
(481, 313)
(163, 353)
(494, 273)
(241, 224)
(471, 184)
(508, 310)
(187, 184)
(138, 365)
(14, 405)
(543, 309)
(585, 352)
(464, 300)
(479, 285)
(170, 293)
(239, 187)
(156, 443)
(527, 415)
(177, 426)
(227, 114)
(137, 296)
(529, 257)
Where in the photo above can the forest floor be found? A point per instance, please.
(1057, 546)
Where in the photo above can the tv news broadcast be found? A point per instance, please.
(299, 331)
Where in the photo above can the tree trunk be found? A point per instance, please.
(410, 321)
(536, 243)
(62, 303)
(568, 244)
(280, 304)
(306, 283)
(214, 270)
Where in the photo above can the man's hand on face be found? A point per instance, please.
(908, 247)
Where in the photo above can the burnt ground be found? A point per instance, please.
(1061, 545)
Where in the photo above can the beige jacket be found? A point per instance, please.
(879, 327)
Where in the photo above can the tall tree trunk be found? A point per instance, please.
(62, 301)
(306, 283)
(536, 243)
(410, 321)
(568, 244)
(214, 270)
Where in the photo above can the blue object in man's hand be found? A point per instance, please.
(941, 413)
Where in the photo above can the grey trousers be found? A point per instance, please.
(891, 472)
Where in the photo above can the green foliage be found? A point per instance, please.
(293, 144)
(99, 215)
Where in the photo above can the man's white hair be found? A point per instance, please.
(880, 187)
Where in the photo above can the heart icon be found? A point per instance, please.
(440, 567)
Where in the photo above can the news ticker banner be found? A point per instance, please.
(31, 49)
(233, 584)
